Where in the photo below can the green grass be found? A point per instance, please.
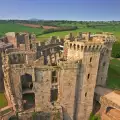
(10, 27)
(94, 117)
(3, 101)
(63, 33)
(113, 80)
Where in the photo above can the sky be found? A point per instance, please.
(78, 10)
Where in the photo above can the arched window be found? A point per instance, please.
(26, 81)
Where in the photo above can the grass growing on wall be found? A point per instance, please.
(94, 117)
(3, 100)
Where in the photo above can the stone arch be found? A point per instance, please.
(26, 81)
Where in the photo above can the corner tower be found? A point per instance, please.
(105, 55)
(84, 49)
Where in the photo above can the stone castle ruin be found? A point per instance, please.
(60, 74)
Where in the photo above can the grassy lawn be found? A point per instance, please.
(113, 80)
(3, 101)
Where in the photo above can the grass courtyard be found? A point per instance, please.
(3, 100)
(113, 80)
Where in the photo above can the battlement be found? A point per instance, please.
(88, 37)
(81, 46)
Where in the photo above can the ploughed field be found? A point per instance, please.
(38, 26)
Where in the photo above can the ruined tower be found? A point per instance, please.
(104, 60)
(86, 52)
(58, 79)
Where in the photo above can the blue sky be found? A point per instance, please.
(60, 9)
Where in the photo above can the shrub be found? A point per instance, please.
(94, 117)
(116, 50)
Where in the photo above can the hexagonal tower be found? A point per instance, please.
(86, 48)
(105, 55)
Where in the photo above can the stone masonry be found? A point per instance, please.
(57, 75)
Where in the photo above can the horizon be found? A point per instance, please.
(77, 10)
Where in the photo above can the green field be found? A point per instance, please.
(63, 33)
(12, 27)
(113, 80)
(3, 101)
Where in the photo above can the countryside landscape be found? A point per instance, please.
(59, 60)
(45, 29)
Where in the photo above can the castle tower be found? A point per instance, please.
(105, 55)
(86, 52)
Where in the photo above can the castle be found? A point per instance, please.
(60, 74)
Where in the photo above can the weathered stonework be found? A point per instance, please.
(57, 77)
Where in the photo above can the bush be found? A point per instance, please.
(94, 117)
(116, 50)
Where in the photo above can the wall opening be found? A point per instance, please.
(104, 63)
(54, 76)
(78, 47)
(108, 109)
(81, 48)
(26, 81)
(88, 76)
(54, 95)
(74, 46)
(70, 46)
(90, 59)
(85, 94)
(28, 100)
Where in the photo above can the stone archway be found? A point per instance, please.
(26, 81)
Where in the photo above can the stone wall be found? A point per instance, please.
(67, 83)
(86, 85)
(104, 63)
(11, 38)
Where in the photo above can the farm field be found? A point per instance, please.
(38, 26)
(10, 27)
